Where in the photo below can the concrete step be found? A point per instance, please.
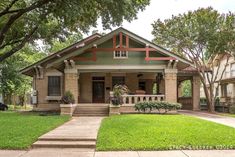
(91, 110)
(64, 144)
(89, 114)
(87, 109)
(99, 112)
(60, 138)
(90, 106)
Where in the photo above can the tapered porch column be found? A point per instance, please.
(196, 92)
(171, 85)
(71, 82)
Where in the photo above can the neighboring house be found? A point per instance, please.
(226, 90)
(91, 67)
(1, 98)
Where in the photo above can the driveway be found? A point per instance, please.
(229, 121)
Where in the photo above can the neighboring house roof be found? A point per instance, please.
(75, 49)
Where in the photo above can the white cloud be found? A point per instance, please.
(165, 9)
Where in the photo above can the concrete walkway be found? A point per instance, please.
(78, 153)
(80, 132)
(78, 127)
(229, 121)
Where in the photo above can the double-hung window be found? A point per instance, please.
(54, 86)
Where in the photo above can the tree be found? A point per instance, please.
(11, 82)
(59, 44)
(199, 35)
(25, 21)
(186, 88)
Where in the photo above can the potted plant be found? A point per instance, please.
(116, 98)
(67, 107)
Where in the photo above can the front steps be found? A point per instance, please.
(91, 110)
(65, 142)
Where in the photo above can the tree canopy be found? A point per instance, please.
(11, 82)
(25, 21)
(199, 35)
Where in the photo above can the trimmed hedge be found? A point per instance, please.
(157, 105)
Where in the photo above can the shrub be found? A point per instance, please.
(118, 91)
(68, 98)
(157, 105)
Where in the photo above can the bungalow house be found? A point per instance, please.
(91, 67)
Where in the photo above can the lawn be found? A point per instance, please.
(162, 132)
(19, 131)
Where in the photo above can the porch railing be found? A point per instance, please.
(133, 99)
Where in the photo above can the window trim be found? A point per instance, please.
(120, 57)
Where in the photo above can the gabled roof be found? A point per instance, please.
(75, 50)
(131, 35)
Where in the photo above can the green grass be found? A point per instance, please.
(19, 131)
(18, 107)
(162, 132)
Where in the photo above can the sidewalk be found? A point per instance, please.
(79, 153)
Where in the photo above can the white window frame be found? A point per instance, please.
(120, 55)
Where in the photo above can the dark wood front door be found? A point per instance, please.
(98, 92)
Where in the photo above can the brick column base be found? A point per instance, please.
(71, 82)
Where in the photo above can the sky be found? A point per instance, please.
(163, 9)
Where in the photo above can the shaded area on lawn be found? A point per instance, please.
(162, 132)
(20, 130)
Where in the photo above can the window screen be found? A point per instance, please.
(54, 88)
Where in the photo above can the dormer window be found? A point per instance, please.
(120, 54)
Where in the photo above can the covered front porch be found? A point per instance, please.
(93, 84)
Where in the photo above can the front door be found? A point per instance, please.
(98, 92)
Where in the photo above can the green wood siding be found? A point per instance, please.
(134, 58)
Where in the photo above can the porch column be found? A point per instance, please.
(196, 92)
(171, 85)
(71, 82)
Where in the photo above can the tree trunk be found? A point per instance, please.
(211, 107)
(209, 97)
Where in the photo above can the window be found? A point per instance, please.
(118, 80)
(233, 70)
(54, 86)
(142, 85)
(120, 54)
